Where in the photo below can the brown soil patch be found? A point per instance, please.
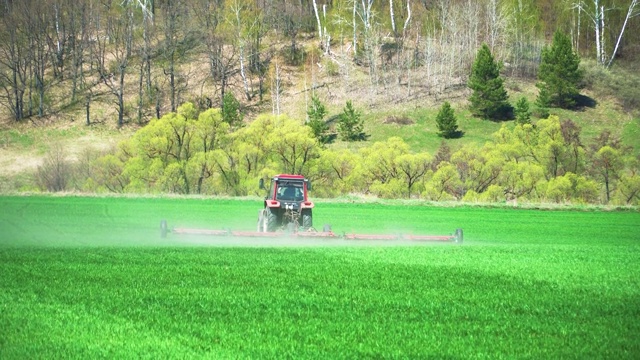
(398, 120)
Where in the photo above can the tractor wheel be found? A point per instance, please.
(163, 229)
(260, 221)
(458, 236)
(271, 219)
(307, 219)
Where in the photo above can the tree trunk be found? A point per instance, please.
(630, 14)
(87, 106)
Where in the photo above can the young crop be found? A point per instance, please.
(91, 277)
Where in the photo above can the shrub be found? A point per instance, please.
(55, 172)
(332, 68)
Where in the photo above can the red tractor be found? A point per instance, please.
(287, 205)
(287, 213)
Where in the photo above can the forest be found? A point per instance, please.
(146, 57)
(190, 74)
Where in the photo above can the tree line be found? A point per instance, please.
(139, 55)
(193, 152)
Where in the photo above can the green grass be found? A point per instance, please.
(90, 277)
(24, 137)
(631, 135)
(15, 138)
(607, 114)
(423, 134)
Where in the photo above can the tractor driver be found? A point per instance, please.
(289, 193)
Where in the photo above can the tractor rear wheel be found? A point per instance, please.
(307, 219)
(260, 221)
(271, 219)
(163, 229)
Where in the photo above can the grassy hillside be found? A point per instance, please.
(394, 111)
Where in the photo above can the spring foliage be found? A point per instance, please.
(186, 152)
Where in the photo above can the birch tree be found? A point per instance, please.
(631, 12)
(596, 12)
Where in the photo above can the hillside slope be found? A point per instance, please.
(389, 108)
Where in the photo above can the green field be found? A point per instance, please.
(84, 277)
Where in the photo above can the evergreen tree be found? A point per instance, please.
(559, 74)
(446, 121)
(489, 98)
(316, 114)
(231, 113)
(523, 114)
(350, 125)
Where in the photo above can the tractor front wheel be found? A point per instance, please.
(307, 219)
(271, 219)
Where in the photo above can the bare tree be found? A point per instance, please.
(119, 35)
(145, 90)
(37, 28)
(78, 25)
(15, 60)
(596, 12)
(237, 24)
(174, 44)
(631, 12)
(221, 60)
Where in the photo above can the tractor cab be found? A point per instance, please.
(287, 203)
(288, 188)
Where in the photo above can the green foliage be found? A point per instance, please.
(316, 112)
(477, 169)
(446, 121)
(522, 112)
(571, 188)
(337, 173)
(444, 185)
(559, 74)
(391, 171)
(629, 182)
(189, 152)
(350, 124)
(489, 98)
(231, 112)
(607, 165)
(174, 153)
